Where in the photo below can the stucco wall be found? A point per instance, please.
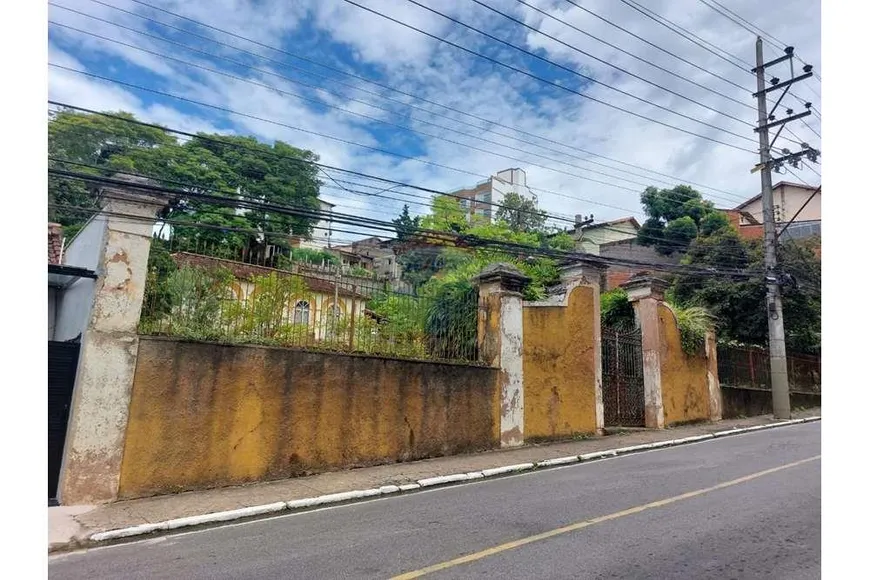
(559, 367)
(206, 415)
(75, 303)
(685, 395)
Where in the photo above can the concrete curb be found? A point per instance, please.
(441, 480)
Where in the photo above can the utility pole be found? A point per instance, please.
(776, 329)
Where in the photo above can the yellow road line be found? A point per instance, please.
(591, 522)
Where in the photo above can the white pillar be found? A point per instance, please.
(500, 338)
(98, 415)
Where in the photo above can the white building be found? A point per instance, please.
(321, 234)
(483, 199)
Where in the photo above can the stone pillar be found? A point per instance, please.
(500, 341)
(107, 361)
(587, 273)
(713, 389)
(646, 293)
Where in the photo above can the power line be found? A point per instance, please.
(363, 115)
(306, 162)
(293, 159)
(691, 37)
(610, 64)
(751, 28)
(489, 122)
(278, 123)
(555, 64)
(555, 84)
(622, 50)
(459, 239)
(695, 39)
(652, 44)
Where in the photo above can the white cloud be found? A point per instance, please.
(413, 63)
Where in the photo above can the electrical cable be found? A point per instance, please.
(460, 239)
(363, 115)
(489, 122)
(620, 69)
(553, 83)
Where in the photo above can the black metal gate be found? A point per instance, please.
(63, 358)
(622, 377)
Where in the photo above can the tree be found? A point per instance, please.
(89, 140)
(229, 166)
(521, 213)
(675, 217)
(446, 216)
(739, 304)
(406, 226)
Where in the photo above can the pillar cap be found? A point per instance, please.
(506, 275)
(137, 189)
(644, 285)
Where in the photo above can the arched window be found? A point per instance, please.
(301, 312)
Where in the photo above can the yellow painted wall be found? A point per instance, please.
(559, 368)
(205, 415)
(685, 396)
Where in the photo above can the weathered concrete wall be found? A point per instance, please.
(559, 366)
(205, 415)
(743, 402)
(685, 391)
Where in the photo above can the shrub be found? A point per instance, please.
(693, 323)
(616, 311)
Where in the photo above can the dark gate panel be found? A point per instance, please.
(622, 377)
(63, 358)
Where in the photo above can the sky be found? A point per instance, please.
(374, 96)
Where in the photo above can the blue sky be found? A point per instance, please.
(283, 79)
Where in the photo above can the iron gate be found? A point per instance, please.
(622, 377)
(63, 358)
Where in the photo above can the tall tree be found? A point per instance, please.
(675, 217)
(406, 226)
(521, 213)
(230, 166)
(89, 140)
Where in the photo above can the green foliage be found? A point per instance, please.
(451, 321)
(559, 241)
(616, 310)
(739, 305)
(157, 301)
(195, 297)
(447, 215)
(521, 213)
(274, 174)
(406, 226)
(91, 140)
(675, 217)
(308, 256)
(693, 323)
(265, 313)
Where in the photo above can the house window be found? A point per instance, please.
(301, 312)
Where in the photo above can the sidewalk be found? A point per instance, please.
(72, 526)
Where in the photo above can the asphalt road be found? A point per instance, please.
(747, 506)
